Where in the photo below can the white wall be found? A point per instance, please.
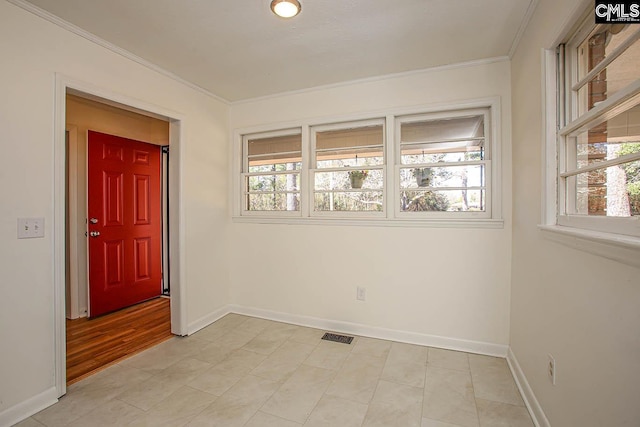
(581, 308)
(452, 283)
(31, 52)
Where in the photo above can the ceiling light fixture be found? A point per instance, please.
(286, 8)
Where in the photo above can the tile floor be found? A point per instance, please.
(244, 371)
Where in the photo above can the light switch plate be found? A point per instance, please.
(30, 228)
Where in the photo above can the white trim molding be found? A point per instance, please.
(207, 320)
(535, 410)
(478, 347)
(26, 408)
(616, 247)
(63, 85)
(110, 46)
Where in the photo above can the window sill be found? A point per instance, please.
(376, 222)
(617, 247)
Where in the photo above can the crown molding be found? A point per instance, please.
(110, 46)
(523, 26)
(457, 65)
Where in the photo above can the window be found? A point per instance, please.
(272, 165)
(599, 129)
(443, 163)
(436, 166)
(349, 167)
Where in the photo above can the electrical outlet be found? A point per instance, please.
(551, 369)
(361, 294)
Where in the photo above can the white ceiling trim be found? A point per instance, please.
(105, 44)
(523, 26)
(474, 63)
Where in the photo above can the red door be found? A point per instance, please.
(124, 222)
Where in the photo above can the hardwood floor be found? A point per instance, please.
(94, 344)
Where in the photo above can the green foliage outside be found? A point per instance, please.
(632, 172)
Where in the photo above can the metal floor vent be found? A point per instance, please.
(337, 338)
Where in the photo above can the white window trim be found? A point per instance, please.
(244, 167)
(313, 170)
(489, 149)
(450, 220)
(613, 246)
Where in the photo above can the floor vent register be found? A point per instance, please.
(344, 339)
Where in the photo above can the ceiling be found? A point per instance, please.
(237, 49)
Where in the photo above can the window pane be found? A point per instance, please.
(449, 176)
(350, 147)
(612, 191)
(609, 140)
(355, 179)
(349, 201)
(444, 140)
(273, 202)
(617, 75)
(442, 201)
(282, 182)
(277, 153)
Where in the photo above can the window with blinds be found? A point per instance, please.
(599, 128)
(271, 172)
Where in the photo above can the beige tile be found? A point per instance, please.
(254, 388)
(112, 380)
(165, 354)
(29, 422)
(449, 359)
(280, 329)
(496, 414)
(372, 347)
(184, 371)
(239, 362)
(253, 325)
(262, 419)
(406, 364)
(214, 382)
(395, 405)
(358, 378)
(177, 409)
(328, 355)
(113, 413)
(308, 336)
(265, 343)
(333, 411)
(149, 392)
(227, 373)
(448, 397)
(212, 332)
(235, 339)
(228, 410)
(284, 361)
(492, 380)
(426, 422)
(299, 394)
(90, 393)
(213, 353)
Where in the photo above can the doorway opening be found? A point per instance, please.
(115, 188)
(71, 263)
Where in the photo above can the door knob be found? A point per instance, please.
(94, 233)
(93, 220)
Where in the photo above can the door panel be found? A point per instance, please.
(125, 242)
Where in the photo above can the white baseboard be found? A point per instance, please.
(537, 414)
(25, 409)
(205, 321)
(478, 347)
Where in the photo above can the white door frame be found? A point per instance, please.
(64, 85)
